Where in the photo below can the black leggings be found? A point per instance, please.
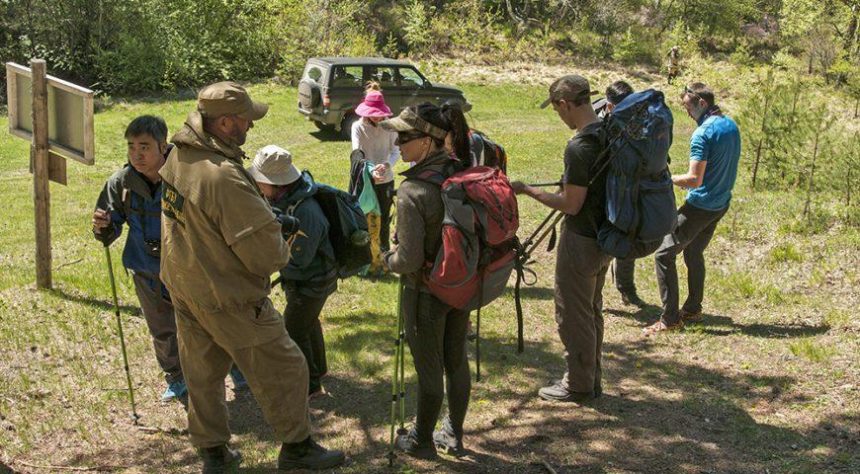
(385, 196)
(302, 320)
(436, 334)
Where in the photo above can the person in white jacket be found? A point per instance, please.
(380, 150)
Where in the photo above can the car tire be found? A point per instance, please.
(346, 125)
(309, 95)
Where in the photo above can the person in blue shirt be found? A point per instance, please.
(715, 149)
(132, 197)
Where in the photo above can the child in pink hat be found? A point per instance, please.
(379, 149)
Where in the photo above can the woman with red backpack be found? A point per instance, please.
(435, 331)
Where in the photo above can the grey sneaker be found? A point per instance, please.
(308, 454)
(410, 445)
(445, 439)
(557, 392)
(220, 460)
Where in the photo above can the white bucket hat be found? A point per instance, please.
(274, 165)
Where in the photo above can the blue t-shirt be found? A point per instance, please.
(717, 141)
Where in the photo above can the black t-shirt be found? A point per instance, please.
(580, 156)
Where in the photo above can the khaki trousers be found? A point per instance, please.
(580, 271)
(275, 369)
(158, 313)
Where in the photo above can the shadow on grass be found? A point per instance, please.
(717, 325)
(657, 415)
(6, 469)
(364, 396)
(93, 302)
(714, 324)
(328, 135)
(665, 416)
(536, 293)
(645, 314)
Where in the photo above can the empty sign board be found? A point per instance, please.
(70, 113)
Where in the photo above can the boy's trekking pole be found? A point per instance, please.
(135, 416)
(397, 394)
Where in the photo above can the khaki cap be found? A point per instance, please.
(229, 98)
(274, 165)
(408, 121)
(570, 87)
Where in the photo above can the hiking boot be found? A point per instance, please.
(631, 298)
(557, 392)
(660, 326)
(690, 316)
(239, 380)
(410, 445)
(220, 460)
(308, 454)
(445, 439)
(175, 389)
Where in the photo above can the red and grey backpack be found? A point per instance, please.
(478, 246)
(478, 249)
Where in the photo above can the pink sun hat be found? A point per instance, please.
(373, 106)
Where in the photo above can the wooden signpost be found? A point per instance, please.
(57, 117)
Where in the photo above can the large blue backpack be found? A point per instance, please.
(640, 200)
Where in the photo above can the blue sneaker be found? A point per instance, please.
(174, 390)
(239, 381)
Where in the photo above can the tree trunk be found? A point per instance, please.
(767, 100)
(811, 183)
(856, 106)
(851, 33)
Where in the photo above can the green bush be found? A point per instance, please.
(636, 47)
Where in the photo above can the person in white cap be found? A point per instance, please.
(311, 275)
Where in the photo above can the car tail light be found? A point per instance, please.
(326, 100)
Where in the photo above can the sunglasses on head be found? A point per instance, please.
(406, 137)
(689, 91)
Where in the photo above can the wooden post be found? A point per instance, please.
(41, 188)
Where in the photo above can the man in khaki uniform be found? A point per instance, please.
(221, 243)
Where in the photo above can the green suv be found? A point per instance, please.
(331, 89)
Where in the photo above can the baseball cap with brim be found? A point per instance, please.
(274, 165)
(570, 87)
(409, 121)
(229, 98)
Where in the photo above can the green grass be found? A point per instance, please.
(811, 351)
(768, 366)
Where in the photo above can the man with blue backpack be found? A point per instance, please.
(623, 268)
(581, 265)
(715, 149)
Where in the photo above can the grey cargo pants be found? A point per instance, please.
(580, 271)
(158, 313)
(692, 235)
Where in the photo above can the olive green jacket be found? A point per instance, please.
(220, 239)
